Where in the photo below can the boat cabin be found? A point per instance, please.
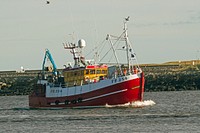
(85, 75)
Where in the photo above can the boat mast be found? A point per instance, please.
(126, 41)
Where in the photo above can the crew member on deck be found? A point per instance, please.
(125, 71)
(135, 70)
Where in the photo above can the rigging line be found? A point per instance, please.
(117, 43)
(95, 26)
(105, 55)
(134, 53)
(96, 47)
(102, 48)
(111, 47)
(72, 18)
(110, 58)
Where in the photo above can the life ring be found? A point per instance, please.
(66, 102)
(79, 100)
(74, 101)
(57, 102)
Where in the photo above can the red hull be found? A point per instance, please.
(120, 93)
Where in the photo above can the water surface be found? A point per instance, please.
(173, 112)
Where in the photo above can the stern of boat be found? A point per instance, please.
(37, 97)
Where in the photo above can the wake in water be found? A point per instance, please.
(143, 103)
(137, 104)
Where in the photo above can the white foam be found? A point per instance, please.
(143, 103)
(136, 104)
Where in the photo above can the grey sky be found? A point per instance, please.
(160, 30)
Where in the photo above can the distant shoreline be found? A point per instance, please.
(171, 63)
(170, 76)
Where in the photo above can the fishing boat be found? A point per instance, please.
(87, 83)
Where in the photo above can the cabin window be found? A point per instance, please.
(103, 71)
(87, 72)
(92, 71)
(98, 71)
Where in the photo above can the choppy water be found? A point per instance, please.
(173, 112)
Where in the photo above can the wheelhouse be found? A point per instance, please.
(85, 75)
